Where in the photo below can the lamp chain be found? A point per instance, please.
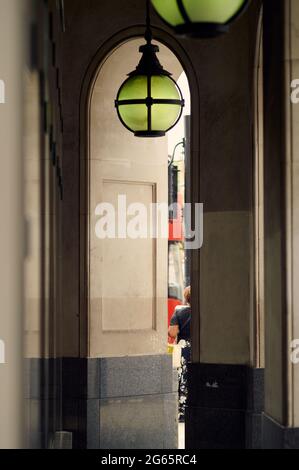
(148, 32)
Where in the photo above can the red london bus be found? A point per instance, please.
(175, 248)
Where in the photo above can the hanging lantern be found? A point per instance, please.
(149, 103)
(200, 18)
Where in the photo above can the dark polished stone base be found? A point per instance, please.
(122, 403)
(109, 403)
(276, 436)
(225, 407)
(132, 403)
(43, 387)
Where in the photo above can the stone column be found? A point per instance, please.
(281, 419)
(225, 381)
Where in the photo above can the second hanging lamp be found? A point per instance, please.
(200, 18)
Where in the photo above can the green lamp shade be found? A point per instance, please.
(180, 12)
(149, 104)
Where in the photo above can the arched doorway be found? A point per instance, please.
(124, 302)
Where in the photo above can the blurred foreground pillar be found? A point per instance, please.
(12, 29)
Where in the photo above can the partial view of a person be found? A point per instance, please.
(180, 329)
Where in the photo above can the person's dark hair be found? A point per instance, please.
(187, 295)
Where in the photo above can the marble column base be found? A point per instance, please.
(126, 403)
(276, 436)
(225, 407)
